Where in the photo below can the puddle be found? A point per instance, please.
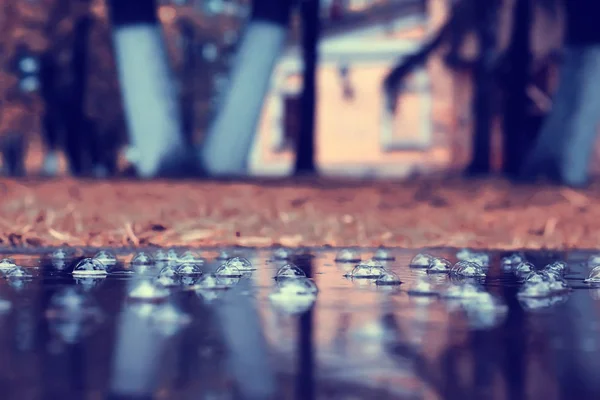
(270, 323)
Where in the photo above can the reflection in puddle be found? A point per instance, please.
(391, 319)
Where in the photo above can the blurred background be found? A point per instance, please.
(59, 66)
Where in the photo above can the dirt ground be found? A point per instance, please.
(314, 212)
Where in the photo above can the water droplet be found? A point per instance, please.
(524, 268)
(106, 258)
(226, 270)
(347, 255)
(594, 276)
(142, 258)
(368, 270)
(422, 287)
(282, 253)
(6, 265)
(383, 254)
(594, 260)
(388, 278)
(189, 270)
(289, 271)
(468, 269)
(439, 266)
(89, 267)
(463, 291)
(421, 261)
(18, 273)
(294, 295)
(512, 260)
(241, 264)
(147, 290)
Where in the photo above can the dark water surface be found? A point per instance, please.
(359, 340)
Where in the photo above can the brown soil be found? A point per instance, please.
(480, 214)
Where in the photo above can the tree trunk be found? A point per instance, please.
(517, 139)
(305, 148)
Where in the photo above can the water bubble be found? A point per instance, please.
(536, 277)
(228, 271)
(439, 266)
(422, 287)
(147, 290)
(189, 270)
(192, 257)
(468, 269)
(383, 254)
(537, 289)
(593, 261)
(388, 278)
(512, 260)
(106, 258)
(524, 268)
(368, 270)
(421, 261)
(463, 291)
(142, 258)
(594, 276)
(474, 257)
(18, 273)
(557, 267)
(294, 296)
(6, 265)
(89, 267)
(289, 271)
(241, 264)
(347, 255)
(282, 253)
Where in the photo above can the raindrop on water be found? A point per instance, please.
(89, 267)
(388, 278)
(468, 269)
(421, 261)
(189, 270)
(594, 276)
(142, 258)
(228, 271)
(439, 266)
(106, 258)
(6, 265)
(241, 264)
(524, 268)
(289, 271)
(368, 270)
(347, 255)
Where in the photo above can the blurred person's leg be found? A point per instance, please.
(147, 87)
(229, 140)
